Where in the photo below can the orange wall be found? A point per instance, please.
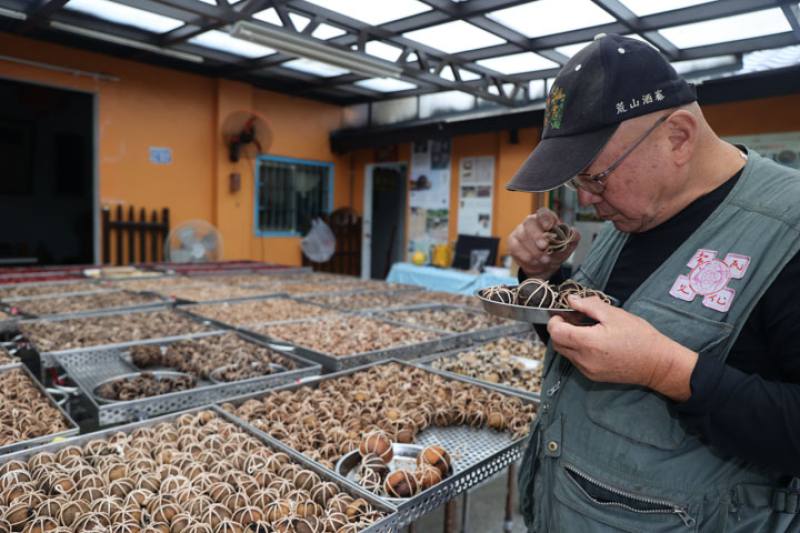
(152, 106)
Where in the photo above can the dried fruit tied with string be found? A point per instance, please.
(560, 237)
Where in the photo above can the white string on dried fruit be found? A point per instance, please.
(535, 292)
(499, 293)
(560, 237)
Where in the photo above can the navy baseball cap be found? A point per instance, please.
(610, 80)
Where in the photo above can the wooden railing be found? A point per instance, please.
(136, 237)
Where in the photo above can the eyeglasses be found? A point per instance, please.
(595, 183)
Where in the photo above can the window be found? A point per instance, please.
(290, 193)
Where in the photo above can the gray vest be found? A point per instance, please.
(606, 457)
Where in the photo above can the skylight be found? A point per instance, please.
(299, 21)
(468, 75)
(220, 40)
(546, 17)
(453, 37)
(122, 14)
(372, 11)
(326, 31)
(516, 63)
(642, 8)
(383, 50)
(316, 68)
(737, 27)
(269, 16)
(693, 65)
(385, 85)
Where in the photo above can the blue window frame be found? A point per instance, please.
(290, 193)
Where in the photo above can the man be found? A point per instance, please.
(681, 410)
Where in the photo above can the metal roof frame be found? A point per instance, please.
(510, 91)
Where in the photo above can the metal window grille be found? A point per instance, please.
(291, 194)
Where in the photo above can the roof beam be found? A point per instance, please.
(792, 13)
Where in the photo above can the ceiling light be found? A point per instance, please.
(385, 85)
(453, 37)
(222, 41)
(516, 63)
(372, 11)
(10, 13)
(299, 45)
(126, 42)
(737, 27)
(547, 17)
(122, 14)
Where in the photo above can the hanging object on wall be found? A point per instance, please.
(195, 241)
(476, 192)
(429, 203)
(245, 134)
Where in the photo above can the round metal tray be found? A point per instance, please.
(157, 373)
(214, 375)
(405, 457)
(522, 313)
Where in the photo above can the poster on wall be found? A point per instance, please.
(429, 200)
(475, 194)
(783, 148)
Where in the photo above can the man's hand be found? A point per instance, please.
(623, 348)
(528, 244)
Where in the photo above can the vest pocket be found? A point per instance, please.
(613, 406)
(751, 510)
(586, 499)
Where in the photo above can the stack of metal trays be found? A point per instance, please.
(454, 322)
(90, 368)
(471, 373)
(72, 427)
(389, 523)
(438, 342)
(477, 454)
(79, 304)
(53, 336)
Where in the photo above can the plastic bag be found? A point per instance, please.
(320, 243)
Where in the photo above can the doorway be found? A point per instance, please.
(384, 218)
(47, 194)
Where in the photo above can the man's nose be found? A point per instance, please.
(586, 198)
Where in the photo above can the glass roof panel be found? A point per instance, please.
(326, 31)
(745, 26)
(385, 85)
(372, 11)
(122, 14)
(546, 17)
(453, 37)
(316, 68)
(468, 75)
(220, 40)
(269, 16)
(693, 65)
(447, 73)
(516, 63)
(642, 8)
(299, 21)
(382, 50)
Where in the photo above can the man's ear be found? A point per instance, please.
(682, 133)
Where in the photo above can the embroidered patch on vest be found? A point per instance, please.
(709, 278)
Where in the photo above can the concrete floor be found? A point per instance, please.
(487, 504)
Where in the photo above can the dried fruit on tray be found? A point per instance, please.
(84, 302)
(25, 412)
(447, 319)
(258, 311)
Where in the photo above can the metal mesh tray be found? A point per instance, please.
(410, 292)
(48, 357)
(336, 363)
(155, 304)
(48, 288)
(390, 524)
(478, 454)
(23, 444)
(88, 368)
(427, 362)
(464, 338)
